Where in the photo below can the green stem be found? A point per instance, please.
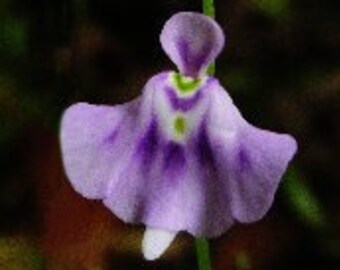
(202, 244)
(203, 255)
(209, 10)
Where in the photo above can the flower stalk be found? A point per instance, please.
(203, 254)
(202, 244)
(209, 10)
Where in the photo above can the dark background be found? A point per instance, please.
(281, 66)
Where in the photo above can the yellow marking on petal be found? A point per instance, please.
(185, 85)
(180, 126)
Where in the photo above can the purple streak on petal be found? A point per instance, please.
(214, 215)
(192, 41)
(193, 62)
(174, 161)
(205, 153)
(149, 144)
(243, 160)
(187, 103)
(182, 103)
(112, 137)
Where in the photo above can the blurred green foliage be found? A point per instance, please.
(273, 7)
(13, 39)
(303, 201)
(20, 253)
(242, 261)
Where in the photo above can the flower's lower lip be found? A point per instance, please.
(213, 170)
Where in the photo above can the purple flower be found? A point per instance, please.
(180, 157)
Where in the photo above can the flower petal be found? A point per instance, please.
(192, 41)
(92, 140)
(251, 161)
(155, 242)
(97, 141)
(258, 164)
